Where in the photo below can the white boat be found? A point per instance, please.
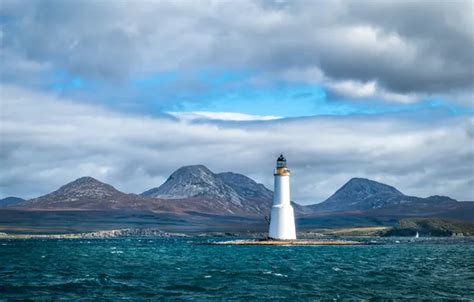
(417, 235)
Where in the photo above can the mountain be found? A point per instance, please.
(85, 193)
(7, 201)
(227, 193)
(194, 181)
(360, 194)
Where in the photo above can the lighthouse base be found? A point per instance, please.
(282, 223)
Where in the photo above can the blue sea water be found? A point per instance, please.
(184, 269)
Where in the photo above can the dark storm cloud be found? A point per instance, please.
(404, 46)
(442, 33)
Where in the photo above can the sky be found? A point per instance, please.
(129, 92)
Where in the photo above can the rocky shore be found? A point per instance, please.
(98, 234)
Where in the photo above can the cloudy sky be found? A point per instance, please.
(128, 92)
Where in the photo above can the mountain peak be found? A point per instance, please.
(191, 170)
(194, 167)
(184, 182)
(194, 181)
(85, 180)
(232, 192)
(362, 194)
(85, 183)
(359, 180)
(370, 186)
(84, 193)
(82, 189)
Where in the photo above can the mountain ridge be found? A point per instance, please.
(235, 192)
(359, 194)
(196, 189)
(86, 193)
(193, 181)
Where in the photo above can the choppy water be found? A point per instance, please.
(147, 269)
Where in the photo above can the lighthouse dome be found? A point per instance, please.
(281, 161)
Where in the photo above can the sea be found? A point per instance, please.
(185, 269)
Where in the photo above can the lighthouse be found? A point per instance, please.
(282, 219)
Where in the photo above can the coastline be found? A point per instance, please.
(305, 237)
(97, 234)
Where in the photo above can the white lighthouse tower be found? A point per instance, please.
(282, 220)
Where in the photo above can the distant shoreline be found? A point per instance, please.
(154, 232)
(96, 235)
(308, 235)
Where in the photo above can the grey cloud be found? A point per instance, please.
(445, 24)
(46, 142)
(407, 47)
(442, 33)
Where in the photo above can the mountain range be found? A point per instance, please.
(197, 191)
(189, 189)
(7, 201)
